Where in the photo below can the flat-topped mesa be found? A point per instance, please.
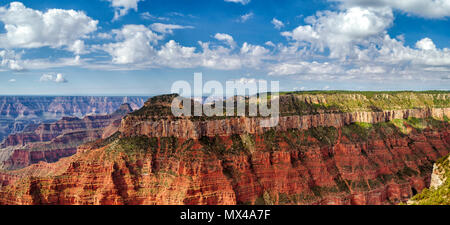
(298, 111)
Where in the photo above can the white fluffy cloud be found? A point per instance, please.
(56, 28)
(425, 44)
(340, 31)
(353, 43)
(278, 24)
(60, 78)
(50, 77)
(77, 47)
(174, 55)
(253, 54)
(243, 2)
(134, 44)
(11, 60)
(121, 7)
(383, 58)
(394, 51)
(226, 38)
(423, 8)
(167, 28)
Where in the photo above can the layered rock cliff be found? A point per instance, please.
(320, 153)
(17, 112)
(51, 141)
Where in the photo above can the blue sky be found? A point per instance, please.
(140, 47)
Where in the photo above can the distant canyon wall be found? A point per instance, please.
(187, 128)
(49, 142)
(18, 112)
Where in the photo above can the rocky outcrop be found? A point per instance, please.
(439, 191)
(51, 141)
(437, 177)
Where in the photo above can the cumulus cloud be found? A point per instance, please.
(425, 44)
(167, 28)
(50, 77)
(11, 60)
(394, 51)
(243, 2)
(278, 24)
(60, 78)
(382, 58)
(55, 28)
(78, 47)
(340, 31)
(134, 44)
(353, 43)
(254, 54)
(172, 54)
(226, 38)
(121, 7)
(423, 8)
(12, 80)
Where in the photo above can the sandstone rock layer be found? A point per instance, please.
(325, 165)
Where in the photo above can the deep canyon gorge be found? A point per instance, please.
(328, 148)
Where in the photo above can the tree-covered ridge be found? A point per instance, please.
(353, 101)
(313, 102)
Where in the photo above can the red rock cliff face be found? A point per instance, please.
(325, 165)
(186, 128)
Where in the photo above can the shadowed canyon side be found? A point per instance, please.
(328, 148)
(18, 112)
